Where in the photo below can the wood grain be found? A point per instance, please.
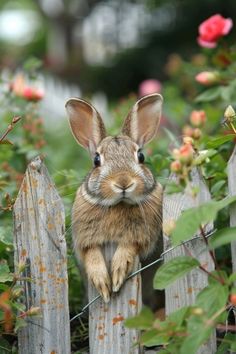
(39, 240)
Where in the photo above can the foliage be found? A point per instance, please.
(207, 146)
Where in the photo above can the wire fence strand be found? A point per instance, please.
(160, 259)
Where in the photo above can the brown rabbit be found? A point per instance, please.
(119, 201)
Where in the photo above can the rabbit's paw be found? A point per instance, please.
(101, 281)
(122, 265)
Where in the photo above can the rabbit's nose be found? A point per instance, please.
(124, 188)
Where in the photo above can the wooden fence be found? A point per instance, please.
(40, 241)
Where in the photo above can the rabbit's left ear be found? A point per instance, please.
(142, 123)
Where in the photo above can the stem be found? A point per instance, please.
(202, 268)
(211, 254)
(10, 127)
(232, 126)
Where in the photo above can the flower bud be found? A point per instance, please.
(197, 133)
(175, 153)
(187, 130)
(197, 311)
(33, 311)
(21, 266)
(176, 166)
(207, 78)
(188, 140)
(230, 114)
(186, 153)
(198, 118)
(233, 299)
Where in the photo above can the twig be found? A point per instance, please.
(10, 127)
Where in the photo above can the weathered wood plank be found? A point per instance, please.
(184, 291)
(39, 241)
(107, 333)
(232, 191)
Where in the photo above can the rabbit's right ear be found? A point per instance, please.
(86, 124)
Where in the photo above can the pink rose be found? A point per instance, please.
(150, 86)
(212, 29)
(32, 94)
(207, 77)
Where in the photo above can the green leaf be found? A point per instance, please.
(178, 316)
(222, 237)
(172, 270)
(225, 344)
(209, 95)
(152, 338)
(190, 220)
(232, 278)
(5, 347)
(20, 323)
(173, 187)
(142, 321)
(212, 298)
(218, 186)
(220, 140)
(198, 335)
(6, 235)
(5, 274)
(203, 156)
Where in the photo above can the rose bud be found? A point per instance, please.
(176, 166)
(198, 118)
(207, 77)
(233, 299)
(33, 311)
(230, 114)
(186, 153)
(197, 133)
(188, 140)
(187, 130)
(175, 153)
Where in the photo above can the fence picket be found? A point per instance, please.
(39, 241)
(232, 191)
(184, 291)
(107, 333)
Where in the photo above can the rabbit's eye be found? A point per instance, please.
(141, 157)
(97, 160)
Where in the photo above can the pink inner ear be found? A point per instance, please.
(86, 124)
(147, 119)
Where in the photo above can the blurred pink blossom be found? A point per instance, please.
(212, 29)
(21, 89)
(207, 77)
(149, 86)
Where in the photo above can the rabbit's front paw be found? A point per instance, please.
(101, 281)
(122, 265)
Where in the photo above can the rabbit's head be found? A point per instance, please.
(119, 173)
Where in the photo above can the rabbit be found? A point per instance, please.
(119, 200)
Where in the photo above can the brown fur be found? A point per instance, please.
(120, 200)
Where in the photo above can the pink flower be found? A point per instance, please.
(212, 29)
(207, 77)
(198, 118)
(184, 154)
(149, 86)
(21, 89)
(32, 94)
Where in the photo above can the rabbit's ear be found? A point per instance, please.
(86, 124)
(142, 123)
